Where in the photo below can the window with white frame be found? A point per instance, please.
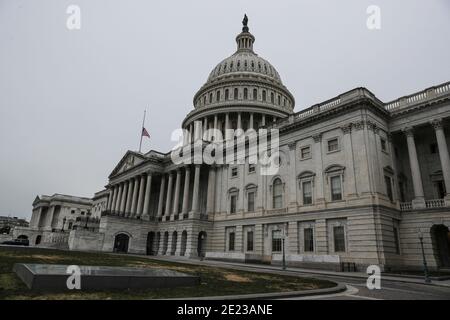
(250, 240)
(305, 153)
(336, 188)
(333, 145)
(233, 201)
(231, 238)
(277, 191)
(234, 172)
(306, 186)
(308, 239)
(307, 192)
(277, 241)
(339, 238)
(251, 168)
(388, 183)
(251, 201)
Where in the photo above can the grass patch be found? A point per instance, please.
(214, 281)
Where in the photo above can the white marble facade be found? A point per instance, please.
(358, 179)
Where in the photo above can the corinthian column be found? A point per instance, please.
(176, 200)
(187, 177)
(211, 190)
(443, 153)
(169, 194)
(119, 197)
(129, 197)
(135, 196)
(148, 189)
(195, 194)
(141, 196)
(419, 199)
(317, 151)
(161, 195)
(124, 197)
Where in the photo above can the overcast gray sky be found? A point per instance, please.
(71, 102)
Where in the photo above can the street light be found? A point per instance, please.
(425, 267)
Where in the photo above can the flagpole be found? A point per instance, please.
(142, 130)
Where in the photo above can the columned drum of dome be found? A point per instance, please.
(243, 91)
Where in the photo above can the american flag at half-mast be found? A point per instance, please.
(145, 133)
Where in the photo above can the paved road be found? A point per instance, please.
(356, 288)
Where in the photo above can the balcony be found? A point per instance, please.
(429, 204)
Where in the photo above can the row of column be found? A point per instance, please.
(199, 128)
(419, 198)
(132, 196)
(174, 193)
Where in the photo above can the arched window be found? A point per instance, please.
(204, 100)
(218, 96)
(235, 93)
(227, 94)
(210, 98)
(245, 93)
(279, 100)
(277, 189)
(272, 97)
(255, 94)
(264, 95)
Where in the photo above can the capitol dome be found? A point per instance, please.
(242, 91)
(244, 62)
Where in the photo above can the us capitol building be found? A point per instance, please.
(359, 182)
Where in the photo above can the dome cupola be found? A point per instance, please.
(243, 88)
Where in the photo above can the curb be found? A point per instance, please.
(312, 273)
(274, 295)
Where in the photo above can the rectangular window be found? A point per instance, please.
(388, 182)
(234, 172)
(251, 168)
(383, 145)
(434, 148)
(308, 236)
(401, 188)
(396, 240)
(276, 241)
(307, 192)
(305, 152)
(339, 239)
(251, 201)
(336, 188)
(233, 199)
(250, 241)
(333, 145)
(231, 241)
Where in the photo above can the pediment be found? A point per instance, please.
(128, 161)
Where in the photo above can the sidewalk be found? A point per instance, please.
(302, 271)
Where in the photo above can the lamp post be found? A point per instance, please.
(425, 267)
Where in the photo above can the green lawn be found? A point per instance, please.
(214, 281)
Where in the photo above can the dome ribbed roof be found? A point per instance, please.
(244, 62)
